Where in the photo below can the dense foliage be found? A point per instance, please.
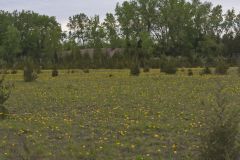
(193, 32)
(28, 34)
(29, 73)
(221, 136)
(4, 95)
(55, 72)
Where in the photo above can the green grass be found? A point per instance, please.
(94, 116)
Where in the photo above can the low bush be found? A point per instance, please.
(55, 72)
(86, 70)
(4, 95)
(14, 71)
(135, 70)
(169, 67)
(206, 71)
(220, 138)
(190, 72)
(29, 72)
(221, 68)
(182, 70)
(146, 69)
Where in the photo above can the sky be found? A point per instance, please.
(62, 9)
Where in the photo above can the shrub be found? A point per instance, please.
(29, 73)
(86, 70)
(221, 68)
(135, 70)
(182, 70)
(70, 71)
(14, 71)
(205, 71)
(238, 70)
(155, 63)
(190, 72)
(220, 138)
(169, 67)
(146, 69)
(4, 95)
(54, 72)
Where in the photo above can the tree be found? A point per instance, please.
(37, 33)
(215, 21)
(79, 27)
(146, 49)
(52, 43)
(11, 44)
(97, 33)
(173, 28)
(209, 47)
(110, 27)
(229, 36)
(229, 22)
(128, 18)
(147, 12)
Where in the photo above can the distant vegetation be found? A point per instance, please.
(4, 95)
(194, 33)
(75, 108)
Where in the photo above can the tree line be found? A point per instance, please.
(148, 32)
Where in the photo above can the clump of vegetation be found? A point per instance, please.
(182, 70)
(221, 68)
(146, 69)
(169, 67)
(4, 95)
(29, 72)
(13, 71)
(135, 70)
(190, 72)
(55, 72)
(86, 70)
(70, 71)
(220, 139)
(206, 71)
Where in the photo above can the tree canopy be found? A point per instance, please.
(191, 29)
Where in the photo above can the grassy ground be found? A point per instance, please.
(94, 116)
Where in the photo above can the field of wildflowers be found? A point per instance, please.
(97, 116)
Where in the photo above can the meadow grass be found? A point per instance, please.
(94, 116)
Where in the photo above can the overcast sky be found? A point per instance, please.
(62, 9)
